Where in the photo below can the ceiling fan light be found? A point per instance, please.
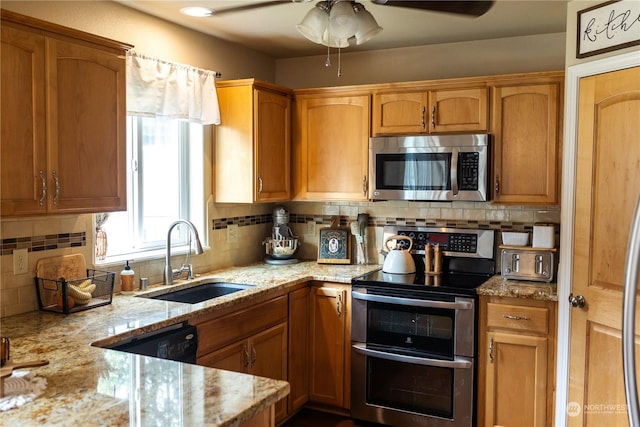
(198, 12)
(367, 26)
(342, 22)
(334, 41)
(314, 24)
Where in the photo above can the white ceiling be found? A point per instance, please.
(271, 29)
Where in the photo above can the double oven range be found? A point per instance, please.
(414, 337)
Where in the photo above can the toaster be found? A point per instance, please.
(528, 264)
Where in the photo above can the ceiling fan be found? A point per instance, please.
(470, 8)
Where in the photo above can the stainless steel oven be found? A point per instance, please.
(414, 344)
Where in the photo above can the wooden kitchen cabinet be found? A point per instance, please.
(527, 127)
(516, 362)
(330, 347)
(253, 142)
(331, 146)
(251, 340)
(299, 305)
(63, 120)
(425, 111)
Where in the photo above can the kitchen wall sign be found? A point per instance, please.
(334, 246)
(608, 26)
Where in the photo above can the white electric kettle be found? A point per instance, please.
(398, 260)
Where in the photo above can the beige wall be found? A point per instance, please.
(544, 52)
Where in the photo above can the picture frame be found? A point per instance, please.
(334, 246)
(607, 27)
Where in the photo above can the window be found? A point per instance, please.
(164, 183)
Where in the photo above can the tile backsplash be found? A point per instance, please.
(60, 235)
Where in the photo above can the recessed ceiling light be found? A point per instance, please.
(199, 12)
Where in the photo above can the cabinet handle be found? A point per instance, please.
(57, 193)
(491, 350)
(245, 353)
(497, 186)
(44, 188)
(339, 305)
(254, 355)
(364, 185)
(424, 110)
(433, 117)
(512, 317)
(259, 184)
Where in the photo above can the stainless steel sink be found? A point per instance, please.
(199, 293)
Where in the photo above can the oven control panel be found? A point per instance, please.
(453, 241)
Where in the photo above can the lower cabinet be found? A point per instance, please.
(330, 345)
(251, 340)
(516, 355)
(299, 304)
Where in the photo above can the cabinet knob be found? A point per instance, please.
(424, 110)
(491, 350)
(44, 188)
(497, 186)
(433, 118)
(364, 185)
(57, 182)
(259, 184)
(577, 301)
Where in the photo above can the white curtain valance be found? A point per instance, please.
(157, 88)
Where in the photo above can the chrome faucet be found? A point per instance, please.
(169, 273)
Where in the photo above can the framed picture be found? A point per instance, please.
(334, 246)
(608, 26)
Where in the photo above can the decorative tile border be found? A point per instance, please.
(43, 243)
(242, 221)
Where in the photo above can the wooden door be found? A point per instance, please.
(234, 357)
(526, 128)
(459, 110)
(327, 351)
(268, 358)
(273, 146)
(399, 113)
(332, 148)
(298, 348)
(86, 115)
(607, 188)
(22, 140)
(516, 380)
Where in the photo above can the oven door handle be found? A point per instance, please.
(457, 305)
(457, 363)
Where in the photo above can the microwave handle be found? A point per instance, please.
(454, 171)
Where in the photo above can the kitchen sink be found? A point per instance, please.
(199, 293)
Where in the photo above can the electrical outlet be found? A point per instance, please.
(311, 228)
(331, 210)
(20, 261)
(232, 233)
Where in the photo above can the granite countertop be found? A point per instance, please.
(89, 385)
(501, 287)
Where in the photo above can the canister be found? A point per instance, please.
(543, 236)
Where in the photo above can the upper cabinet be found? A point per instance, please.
(331, 138)
(425, 111)
(526, 127)
(253, 143)
(63, 120)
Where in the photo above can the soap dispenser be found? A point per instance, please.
(126, 279)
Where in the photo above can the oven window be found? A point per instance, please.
(421, 329)
(413, 171)
(415, 388)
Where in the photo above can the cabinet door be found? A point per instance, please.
(399, 113)
(22, 139)
(234, 357)
(298, 348)
(332, 148)
(86, 128)
(273, 146)
(526, 131)
(516, 382)
(329, 340)
(459, 110)
(268, 358)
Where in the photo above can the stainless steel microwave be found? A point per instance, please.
(440, 167)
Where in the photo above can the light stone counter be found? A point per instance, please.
(501, 287)
(88, 385)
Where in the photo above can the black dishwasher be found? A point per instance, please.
(177, 342)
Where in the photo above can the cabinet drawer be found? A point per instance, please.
(214, 334)
(519, 318)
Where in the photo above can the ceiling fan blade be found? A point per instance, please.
(472, 8)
